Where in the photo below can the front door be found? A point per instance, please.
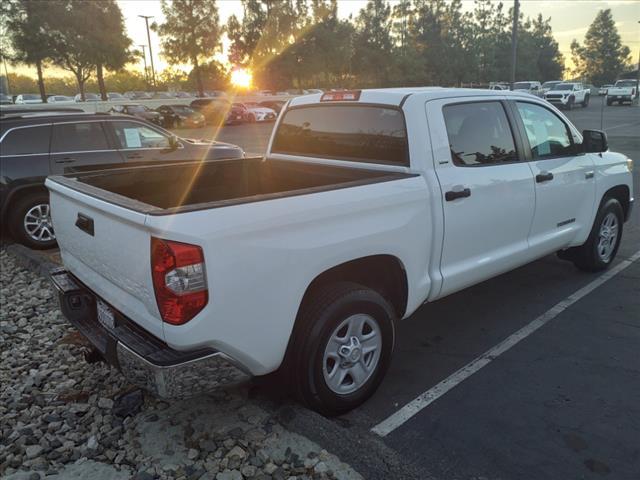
(139, 142)
(487, 190)
(565, 183)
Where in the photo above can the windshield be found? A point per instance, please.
(626, 83)
(29, 96)
(564, 86)
(522, 85)
(549, 84)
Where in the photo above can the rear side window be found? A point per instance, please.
(479, 134)
(352, 132)
(78, 137)
(26, 141)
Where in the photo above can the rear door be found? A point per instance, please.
(79, 144)
(487, 188)
(564, 179)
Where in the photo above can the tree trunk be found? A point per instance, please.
(196, 67)
(80, 81)
(43, 94)
(103, 90)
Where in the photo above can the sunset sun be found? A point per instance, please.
(241, 78)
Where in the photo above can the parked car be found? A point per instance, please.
(568, 94)
(26, 98)
(622, 92)
(5, 99)
(546, 86)
(498, 86)
(88, 97)
(115, 96)
(533, 88)
(138, 95)
(236, 115)
(60, 99)
(183, 95)
(181, 116)
(275, 105)
(35, 145)
(163, 95)
(314, 90)
(140, 111)
(215, 110)
(366, 208)
(603, 89)
(259, 113)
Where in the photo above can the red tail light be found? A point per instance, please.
(342, 96)
(178, 279)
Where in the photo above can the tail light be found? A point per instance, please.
(179, 280)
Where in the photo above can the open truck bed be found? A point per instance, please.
(188, 186)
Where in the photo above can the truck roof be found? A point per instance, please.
(397, 96)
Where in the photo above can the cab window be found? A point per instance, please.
(26, 141)
(479, 134)
(548, 135)
(78, 137)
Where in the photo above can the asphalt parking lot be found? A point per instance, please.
(561, 400)
(562, 403)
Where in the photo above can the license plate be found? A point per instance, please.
(105, 315)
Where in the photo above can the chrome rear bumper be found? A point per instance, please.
(144, 360)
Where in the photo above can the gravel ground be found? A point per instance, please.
(63, 418)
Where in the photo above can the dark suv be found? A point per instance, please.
(35, 145)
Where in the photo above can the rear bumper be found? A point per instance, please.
(144, 360)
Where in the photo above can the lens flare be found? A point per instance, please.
(241, 78)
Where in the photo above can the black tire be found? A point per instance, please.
(17, 218)
(585, 102)
(587, 257)
(609, 102)
(570, 103)
(320, 316)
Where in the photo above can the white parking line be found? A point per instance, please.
(427, 398)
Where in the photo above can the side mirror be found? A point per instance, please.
(594, 141)
(173, 143)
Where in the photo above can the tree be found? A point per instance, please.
(373, 44)
(191, 32)
(30, 40)
(111, 42)
(602, 57)
(549, 60)
(74, 36)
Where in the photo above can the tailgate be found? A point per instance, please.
(107, 247)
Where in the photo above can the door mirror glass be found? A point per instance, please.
(594, 141)
(173, 142)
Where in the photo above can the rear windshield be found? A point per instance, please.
(346, 132)
(626, 83)
(522, 85)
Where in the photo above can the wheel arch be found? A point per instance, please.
(622, 193)
(19, 193)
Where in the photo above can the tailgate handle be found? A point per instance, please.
(85, 224)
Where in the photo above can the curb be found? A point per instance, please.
(32, 260)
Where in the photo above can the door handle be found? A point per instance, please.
(589, 174)
(453, 194)
(544, 177)
(66, 160)
(134, 156)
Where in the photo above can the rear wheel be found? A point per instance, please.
(30, 221)
(341, 348)
(601, 247)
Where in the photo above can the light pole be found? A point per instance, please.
(153, 71)
(514, 40)
(144, 57)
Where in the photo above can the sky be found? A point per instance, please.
(569, 19)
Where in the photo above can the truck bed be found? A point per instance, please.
(187, 186)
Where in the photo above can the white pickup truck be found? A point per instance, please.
(367, 205)
(568, 94)
(622, 92)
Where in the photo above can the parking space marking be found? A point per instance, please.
(427, 398)
(621, 125)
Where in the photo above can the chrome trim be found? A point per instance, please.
(185, 379)
(83, 151)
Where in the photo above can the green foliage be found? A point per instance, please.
(602, 57)
(191, 32)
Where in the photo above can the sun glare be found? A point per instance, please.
(241, 78)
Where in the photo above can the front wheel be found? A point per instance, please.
(601, 247)
(585, 102)
(30, 222)
(342, 347)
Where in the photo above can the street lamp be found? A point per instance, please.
(144, 57)
(153, 71)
